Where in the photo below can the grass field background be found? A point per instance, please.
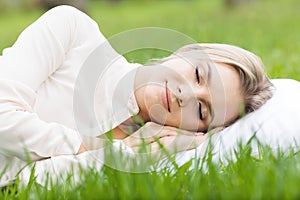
(269, 28)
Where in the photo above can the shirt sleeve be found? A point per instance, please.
(59, 168)
(38, 52)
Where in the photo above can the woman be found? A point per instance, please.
(199, 87)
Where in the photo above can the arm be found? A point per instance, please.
(39, 51)
(61, 167)
(151, 135)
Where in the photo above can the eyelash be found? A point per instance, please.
(199, 104)
(197, 75)
(200, 112)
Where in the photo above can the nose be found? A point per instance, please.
(187, 94)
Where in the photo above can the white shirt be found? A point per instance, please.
(38, 75)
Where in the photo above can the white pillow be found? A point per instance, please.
(276, 123)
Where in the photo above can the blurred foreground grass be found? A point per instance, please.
(268, 28)
(269, 175)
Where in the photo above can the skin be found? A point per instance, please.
(217, 85)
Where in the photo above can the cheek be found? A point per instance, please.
(233, 103)
(185, 119)
(225, 111)
(153, 104)
(190, 121)
(151, 95)
(233, 112)
(158, 115)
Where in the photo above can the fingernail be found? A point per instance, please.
(199, 133)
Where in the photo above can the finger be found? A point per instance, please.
(197, 141)
(190, 133)
(186, 142)
(182, 131)
(132, 141)
(138, 141)
(178, 143)
(150, 134)
(164, 133)
(215, 130)
(169, 145)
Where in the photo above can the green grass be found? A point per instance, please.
(268, 28)
(271, 175)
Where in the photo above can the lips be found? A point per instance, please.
(166, 98)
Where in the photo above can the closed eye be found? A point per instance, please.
(197, 75)
(200, 112)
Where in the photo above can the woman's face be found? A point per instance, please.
(191, 97)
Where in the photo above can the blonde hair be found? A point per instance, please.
(255, 85)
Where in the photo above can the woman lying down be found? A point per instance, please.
(65, 92)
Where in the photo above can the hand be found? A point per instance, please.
(91, 143)
(172, 144)
(157, 139)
